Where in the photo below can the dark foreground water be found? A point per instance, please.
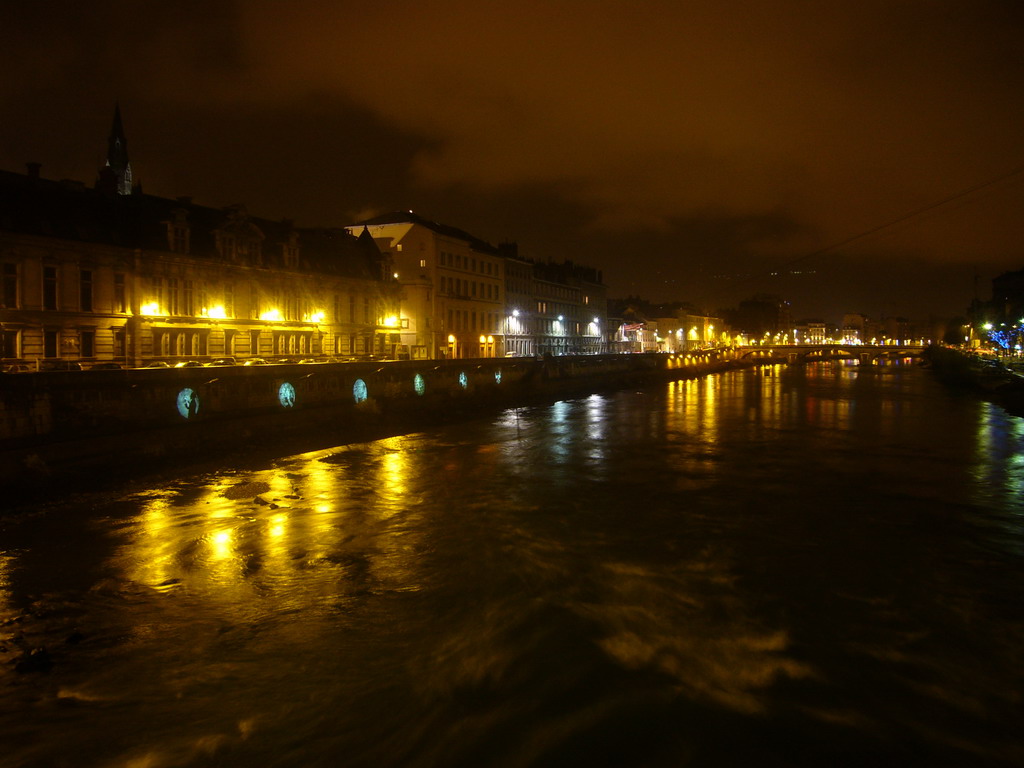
(812, 566)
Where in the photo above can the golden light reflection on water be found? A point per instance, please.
(155, 553)
(692, 408)
(394, 468)
(308, 527)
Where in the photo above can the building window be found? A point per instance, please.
(158, 294)
(51, 341)
(172, 295)
(85, 290)
(180, 239)
(87, 340)
(9, 344)
(120, 297)
(227, 246)
(10, 287)
(119, 346)
(229, 299)
(254, 343)
(423, 263)
(366, 310)
(189, 299)
(50, 289)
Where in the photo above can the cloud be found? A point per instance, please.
(652, 111)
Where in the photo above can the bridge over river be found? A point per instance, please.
(806, 353)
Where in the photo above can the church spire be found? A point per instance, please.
(116, 174)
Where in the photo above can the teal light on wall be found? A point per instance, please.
(359, 391)
(286, 395)
(188, 403)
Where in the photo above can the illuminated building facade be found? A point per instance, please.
(519, 304)
(110, 274)
(571, 309)
(453, 286)
(463, 297)
(636, 337)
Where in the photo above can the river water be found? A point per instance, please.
(817, 565)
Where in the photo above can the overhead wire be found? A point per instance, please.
(959, 195)
(907, 216)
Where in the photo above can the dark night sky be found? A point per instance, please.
(688, 149)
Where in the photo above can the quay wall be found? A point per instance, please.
(73, 426)
(987, 377)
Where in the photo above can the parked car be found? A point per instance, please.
(157, 364)
(59, 365)
(255, 361)
(222, 361)
(106, 366)
(19, 368)
(188, 364)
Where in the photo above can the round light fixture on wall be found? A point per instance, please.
(188, 403)
(359, 391)
(286, 395)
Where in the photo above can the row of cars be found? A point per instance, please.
(72, 365)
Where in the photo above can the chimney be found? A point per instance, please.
(33, 169)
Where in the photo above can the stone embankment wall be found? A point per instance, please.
(73, 425)
(995, 380)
